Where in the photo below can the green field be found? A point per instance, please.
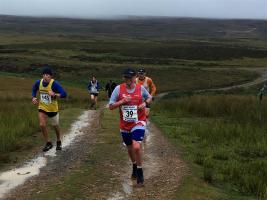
(221, 135)
(76, 59)
(19, 119)
(198, 57)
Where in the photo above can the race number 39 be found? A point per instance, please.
(129, 113)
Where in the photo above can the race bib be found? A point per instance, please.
(93, 89)
(129, 113)
(45, 98)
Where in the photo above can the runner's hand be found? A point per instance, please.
(35, 101)
(126, 99)
(142, 106)
(52, 94)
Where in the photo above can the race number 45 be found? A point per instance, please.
(45, 98)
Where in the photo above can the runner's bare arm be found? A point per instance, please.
(143, 105)
(119, 103)
(115, 105)
(153, 88)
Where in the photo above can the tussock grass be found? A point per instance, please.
(19, 117)
(18, 120)
(226, 135)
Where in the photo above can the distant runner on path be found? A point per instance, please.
(49, 90)
(93, 88)
(148, 84)
(131, 99)
(110, 86)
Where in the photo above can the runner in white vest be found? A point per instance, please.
(93, 89)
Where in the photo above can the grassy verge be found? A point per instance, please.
(20, 134)
(223, 137)
(96, 174)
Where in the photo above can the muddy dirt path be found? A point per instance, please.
(163, 170)
(48, 167)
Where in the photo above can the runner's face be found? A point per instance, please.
(141, 76)
(129, 81)
(47, 77)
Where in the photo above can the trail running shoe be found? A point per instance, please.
(48, 146)
(134, 173)
(140, 176)
(59, 145)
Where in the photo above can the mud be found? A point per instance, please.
(50, 166)
(163, 170)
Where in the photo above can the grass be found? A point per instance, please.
(20, 132)
(224, 136)
(193, 188)
(174, 64)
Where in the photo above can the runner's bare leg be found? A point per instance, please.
(131, 153)
(137, 152)
(57, 130)
(42, 123)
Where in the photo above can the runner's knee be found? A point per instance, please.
(136, 146)
(42, 125)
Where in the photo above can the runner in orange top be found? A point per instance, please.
(148, 84)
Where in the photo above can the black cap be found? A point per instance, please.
(47, 70)
(129, 73)
(141, 71)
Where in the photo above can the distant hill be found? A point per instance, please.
(138, 27)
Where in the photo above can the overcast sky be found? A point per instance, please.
(105, 8)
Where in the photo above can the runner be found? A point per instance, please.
(93, 88)
(110, 86)
(148, 84)
(131, 99)
(49, 90)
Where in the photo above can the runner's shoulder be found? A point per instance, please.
(37, 83)
(117, 88)
(149, 80)
(56, 83)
